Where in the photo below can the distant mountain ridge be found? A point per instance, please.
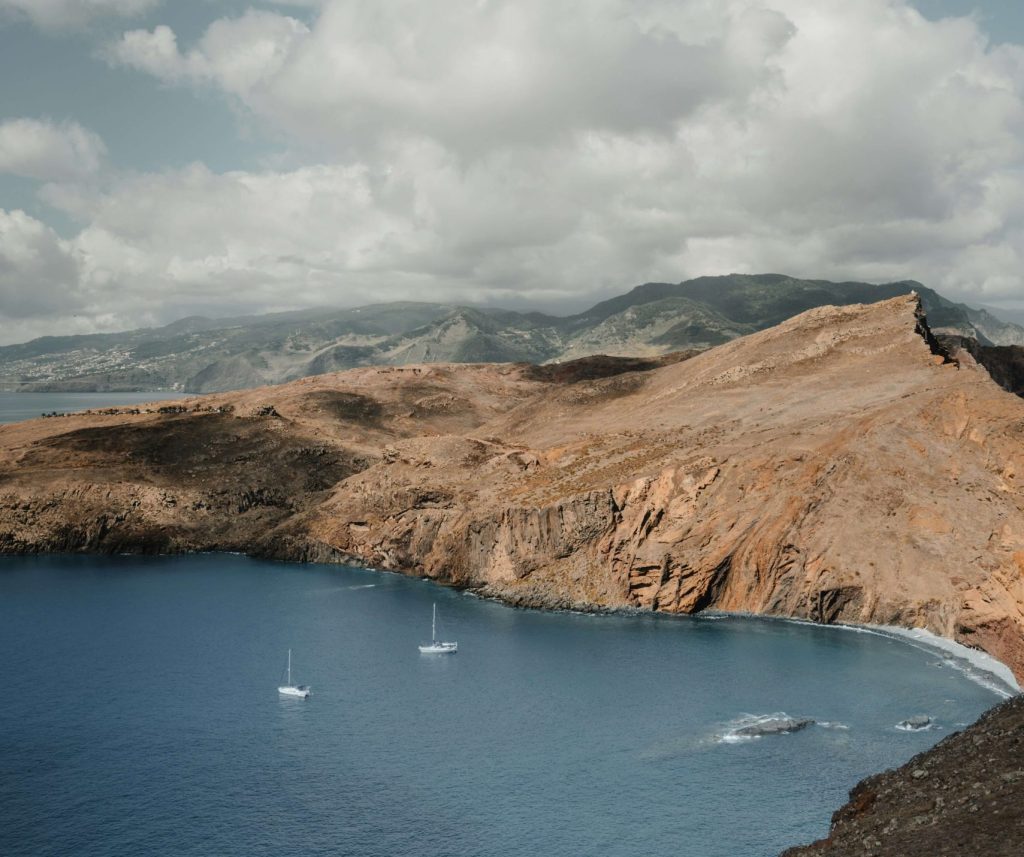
(199, 354)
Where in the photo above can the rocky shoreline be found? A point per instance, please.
(840, 467)
(963, 797)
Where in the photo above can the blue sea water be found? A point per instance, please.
(141, 716)
(26, 406)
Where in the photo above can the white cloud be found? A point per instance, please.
(39, 275)
(197, 231)
(67, 14)
(481, 75)
(236, 54)
(52, 152)
(515, 151)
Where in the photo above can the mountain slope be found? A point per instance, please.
(209, 355)
(836, 467)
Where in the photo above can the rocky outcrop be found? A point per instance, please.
(915, 723)
(773, 726)
(1004, 363)
(963, 797)
(838, 467)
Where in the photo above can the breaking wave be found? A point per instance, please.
(751, 727)
(910, 726)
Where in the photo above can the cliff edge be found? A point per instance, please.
(839, 467)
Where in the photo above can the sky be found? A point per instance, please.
(165, 158)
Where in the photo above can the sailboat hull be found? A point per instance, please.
(439, 648)
(301, 691)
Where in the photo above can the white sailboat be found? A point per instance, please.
(436, 646)
(288, 689)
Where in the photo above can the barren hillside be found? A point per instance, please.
(834, 467)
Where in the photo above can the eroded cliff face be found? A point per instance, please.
(838, 467)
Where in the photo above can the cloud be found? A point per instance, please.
(237, 237)
(482, 75)
(37, 149)
(236, 54)
(70, 14)
(519, 152)
(39, 275)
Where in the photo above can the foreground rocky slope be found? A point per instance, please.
(963, 797)
(837, 467)
(208, 355)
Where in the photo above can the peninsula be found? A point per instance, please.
(842, 466)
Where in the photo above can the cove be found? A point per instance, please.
(141, 716)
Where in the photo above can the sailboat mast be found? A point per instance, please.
(289, 682)
(433, 626)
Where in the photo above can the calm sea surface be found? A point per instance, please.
(141, 716)
(27, 406)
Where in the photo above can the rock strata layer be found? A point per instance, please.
(839, 467)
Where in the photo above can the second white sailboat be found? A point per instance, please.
(436, 646)
(288, 689)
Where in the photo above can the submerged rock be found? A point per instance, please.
(918, 721)
(774, 726)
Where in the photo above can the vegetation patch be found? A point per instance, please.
(351, 407)
(600, 366)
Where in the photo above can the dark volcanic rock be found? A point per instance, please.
(347, 406)
(918, 721)
(600, 366)
(1005, 363)
(964, 797)
(774, 726)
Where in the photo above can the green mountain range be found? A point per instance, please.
(202, 355)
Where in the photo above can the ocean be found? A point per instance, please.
(26, 406)
(141, 716)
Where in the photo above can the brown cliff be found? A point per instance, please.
(1004, 363)
(837, 467)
